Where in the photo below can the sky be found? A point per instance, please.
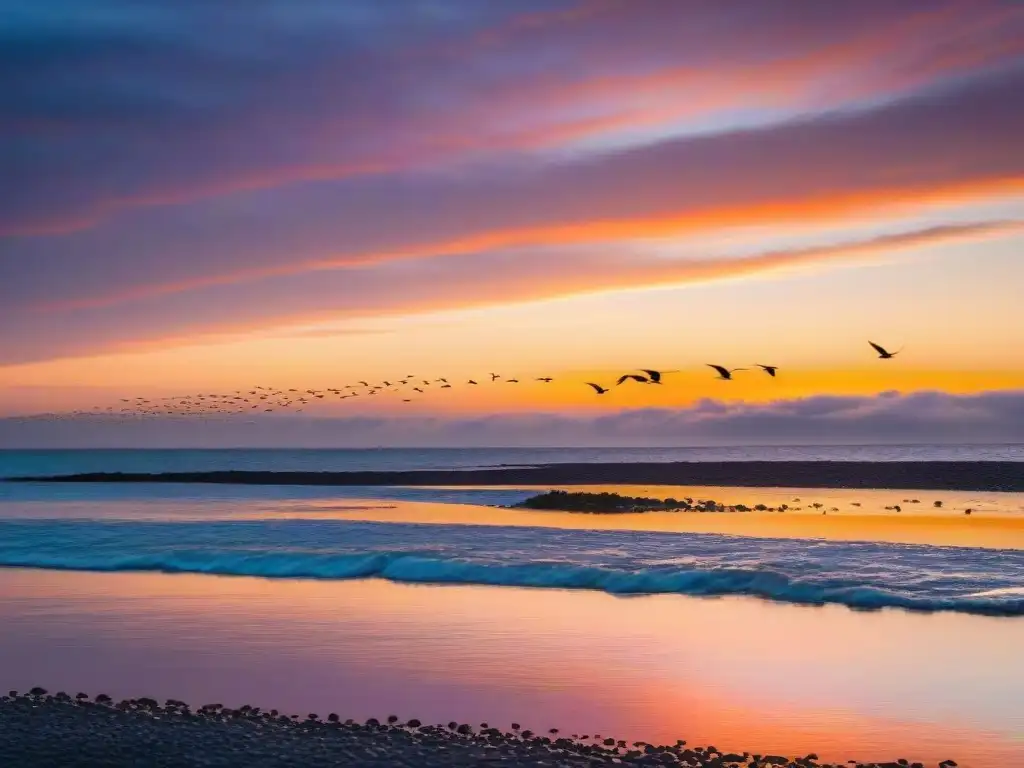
(206, 196)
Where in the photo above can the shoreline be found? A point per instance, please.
(982, 476)
(37, 728)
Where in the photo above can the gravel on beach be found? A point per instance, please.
(38, 730)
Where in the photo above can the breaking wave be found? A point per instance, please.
(860, 575)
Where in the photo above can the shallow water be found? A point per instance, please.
(738, 673)
(278, 537)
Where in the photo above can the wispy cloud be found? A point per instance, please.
(818, 170)
(211, 171)
(311, 95)
(428, 285)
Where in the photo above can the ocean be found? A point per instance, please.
(890, 628)
(58, 462)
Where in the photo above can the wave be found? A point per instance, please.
(858, 575)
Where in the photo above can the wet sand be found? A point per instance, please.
(996, 522)
(933, 475)
(739, 673)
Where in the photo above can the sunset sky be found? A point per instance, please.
(204, 196)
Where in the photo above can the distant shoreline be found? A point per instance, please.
(985, 476)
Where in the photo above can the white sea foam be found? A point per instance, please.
(857, 574)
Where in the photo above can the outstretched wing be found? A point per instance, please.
(653, 375)
(597, 387)
(622, 378)
(878, 348)
(721, 370)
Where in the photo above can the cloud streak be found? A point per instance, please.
(180, 173)
(956, 145)
(449, 282)
(322, 94)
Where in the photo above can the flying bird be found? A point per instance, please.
(495, 376)
(511, 381)
(655, 376)
(883, 353)
(545, 379)
(471, 382)
(724, 373)
(769, 369)
(597, 388)
(634, 376)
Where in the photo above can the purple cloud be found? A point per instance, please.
(922, 417)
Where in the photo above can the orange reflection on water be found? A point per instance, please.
(996, 520)
(739, 673)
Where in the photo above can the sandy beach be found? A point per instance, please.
(840, 683)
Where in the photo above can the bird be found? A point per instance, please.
(597, 388)
(654, 376)
(446, 386)
(545, 379)
(724, 373)
(471, 382)
(769, 369)
(495, 376)
(634, 376)
(364, 383)
(417, 389)
(511, 381)
(883, 353)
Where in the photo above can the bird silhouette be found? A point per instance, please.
(511, 381)
(634, 376)
(883, 353)
(654, 376)
(495, 376)
(471, 382)
(597, 388)
(545, 379)
(724, 373)
(417, 389)
(769, 369)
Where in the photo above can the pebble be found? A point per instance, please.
(39, 730)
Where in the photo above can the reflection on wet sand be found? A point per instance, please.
(736, 672)
(996, 520)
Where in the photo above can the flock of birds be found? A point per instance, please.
(264, 399)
